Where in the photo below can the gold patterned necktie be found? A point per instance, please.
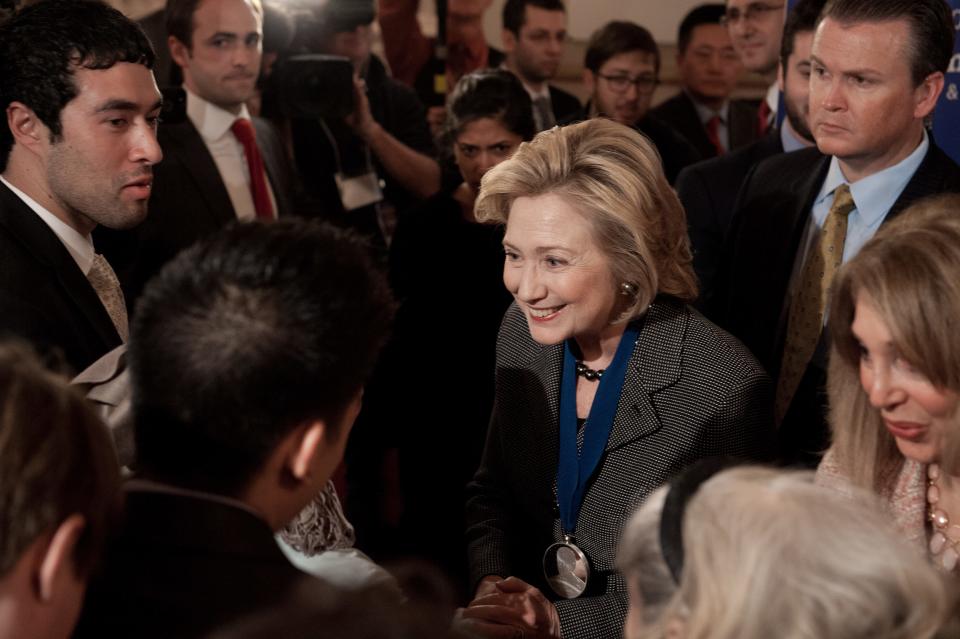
(104, 281)
(808, 308)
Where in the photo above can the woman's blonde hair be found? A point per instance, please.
(612, 176)
(911, 272)
(769, 554)
(640, 558)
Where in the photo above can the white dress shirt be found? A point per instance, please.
(80, 247)
(213, 124)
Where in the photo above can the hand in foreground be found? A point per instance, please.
(510, 608)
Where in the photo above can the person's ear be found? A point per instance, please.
(589, 81)
(57, 563)
(509, 41)
(927, 94)
(25, 126)
(179, 52)
(306, 449)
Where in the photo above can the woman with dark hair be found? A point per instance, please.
(446, 269)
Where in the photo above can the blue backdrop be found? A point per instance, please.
(946, 119)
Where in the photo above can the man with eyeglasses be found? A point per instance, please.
(709, 71)
(756, 27)
(708, 190)
(877, 70)
(621, 70)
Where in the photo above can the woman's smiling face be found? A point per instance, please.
(558, 274)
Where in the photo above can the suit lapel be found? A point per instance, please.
(269, 151)
(927, 179)
(654, 365)
(742, 124)
(43, 244)
(184, 141)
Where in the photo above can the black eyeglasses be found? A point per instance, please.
(621, 83)
(754, 12)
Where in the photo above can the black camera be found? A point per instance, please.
(315, 86)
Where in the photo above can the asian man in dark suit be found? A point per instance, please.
(877, 71)
(708, 189)
(77, 150)
(247, 358)
(703, 111)
(222, 164)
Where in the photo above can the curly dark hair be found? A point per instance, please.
(43, 44)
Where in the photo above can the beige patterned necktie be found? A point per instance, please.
(104, 281)
(810, 300)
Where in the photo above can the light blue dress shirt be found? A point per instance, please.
(873, 196)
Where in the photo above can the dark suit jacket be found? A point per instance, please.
(708, 191)
(182, 566)
(189, 201)
(44, 296)
(691, 391)
(772, 212)
(566, 106)
(680, 113)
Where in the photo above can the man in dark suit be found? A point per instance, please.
(709, 70)
(878, 69)
(247, 362)
(222, 165)
(621, 70)
(708, 190)
(534, 33)
(77, 149)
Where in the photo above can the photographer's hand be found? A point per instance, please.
(361, 120)
(414, 171)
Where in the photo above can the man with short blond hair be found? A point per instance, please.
(877, 72)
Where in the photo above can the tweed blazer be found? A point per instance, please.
(691, 391)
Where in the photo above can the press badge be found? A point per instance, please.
(359, 190)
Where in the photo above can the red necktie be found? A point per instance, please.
(763, 118)
(713, 132)
(243, 130)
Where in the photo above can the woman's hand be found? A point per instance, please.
(509, 608)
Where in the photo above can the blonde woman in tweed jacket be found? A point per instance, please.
(894, 375)
(600, 332)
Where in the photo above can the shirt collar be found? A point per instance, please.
(706, 113)
(789, 138)
(876, 194)
(773, 97)
(80, 247)
(542, 93)
(211, 121)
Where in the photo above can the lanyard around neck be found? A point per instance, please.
(575, 469)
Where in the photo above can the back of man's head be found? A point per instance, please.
(515, 11)
(618, 37)
(703, 14)
(243, 338)
(43, 44)
(59, 482)
(803, 18)
(931, 25)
